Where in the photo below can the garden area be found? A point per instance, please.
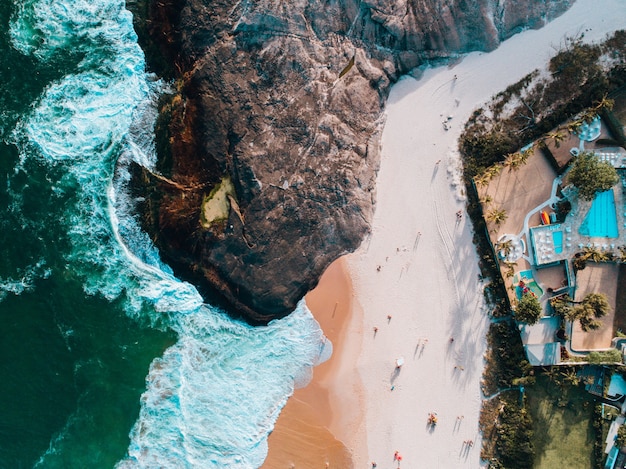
(562, 413)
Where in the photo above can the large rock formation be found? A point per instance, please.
(277, 121)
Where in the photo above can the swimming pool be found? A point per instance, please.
(601, 220)
(526, 276)
(617, 387)
(557, 239)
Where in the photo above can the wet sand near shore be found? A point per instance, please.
(302, 436)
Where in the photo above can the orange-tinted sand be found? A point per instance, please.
(302, 437)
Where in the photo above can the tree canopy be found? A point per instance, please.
(528, 309)
(514, 445)
(590, 175)
(592, 307)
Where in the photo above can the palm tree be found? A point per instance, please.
(505, 246)
(594, 254)
(553, 374)
(587, 312)
(510, 160)
(586, 320)
(574, 126)
(605, 103)
(515, 160)
(561, 305)
(483, 179)
(486, 199)
(525, 155)
(598, 303)
(494, 170)
(590, 114)
(557, 137)
(570, 376)
(496, 215)
(510, 272)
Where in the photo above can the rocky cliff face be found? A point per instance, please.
(285, 100)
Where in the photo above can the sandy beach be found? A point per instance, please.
(415, 280)
(304, 435)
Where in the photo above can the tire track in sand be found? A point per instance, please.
(447, 241)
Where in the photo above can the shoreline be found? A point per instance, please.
(317, 418)
(420, 265)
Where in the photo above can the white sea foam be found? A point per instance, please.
(25, 281)
(213, 397)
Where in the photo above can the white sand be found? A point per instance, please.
(433, 291)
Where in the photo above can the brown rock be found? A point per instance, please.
(287, 99)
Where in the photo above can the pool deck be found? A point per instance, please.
(541, 236)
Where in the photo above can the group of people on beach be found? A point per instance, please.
(397, 457)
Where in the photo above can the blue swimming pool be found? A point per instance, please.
(601, 220)
(557, 239)
(617, 387)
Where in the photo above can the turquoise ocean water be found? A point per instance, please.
(107, 360)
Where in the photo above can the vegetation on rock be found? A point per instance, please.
(216, 206)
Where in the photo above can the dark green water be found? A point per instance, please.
(107, 359)
(73, 365)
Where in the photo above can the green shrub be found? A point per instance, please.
(610, 356)
(514, 447)
(590, 175)
(528, 309)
